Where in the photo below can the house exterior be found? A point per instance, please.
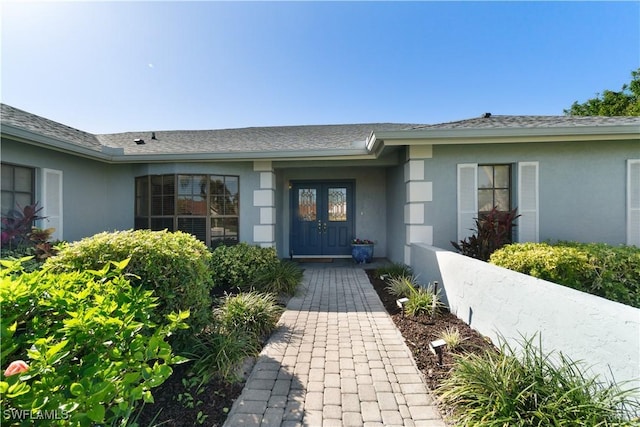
(309, 190)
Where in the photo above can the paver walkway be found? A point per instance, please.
(337, 359)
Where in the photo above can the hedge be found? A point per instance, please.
(611, 272)
(175, 265)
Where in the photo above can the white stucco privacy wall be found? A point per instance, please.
(496, 302)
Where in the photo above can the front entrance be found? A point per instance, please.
(321, 218)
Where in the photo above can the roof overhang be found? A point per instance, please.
(373, 149)
(33, 138)
(378, 140)
(118, 155)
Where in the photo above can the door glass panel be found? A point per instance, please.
(337, 204)
(307, 204)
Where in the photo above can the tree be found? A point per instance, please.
(610, 103)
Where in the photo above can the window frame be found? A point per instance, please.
(13, 191)
(144, 213)
(493, 189)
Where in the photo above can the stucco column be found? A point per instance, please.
(418, 191)
(264, 200)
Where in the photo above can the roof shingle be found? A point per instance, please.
(506, 122)
(254, 139)
(39, 125)
(310, 138)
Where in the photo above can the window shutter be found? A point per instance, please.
(52, 201)
(467, 199)
(633, 202)
(528, 202)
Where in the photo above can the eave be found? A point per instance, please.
(378, 140)
(117, 155)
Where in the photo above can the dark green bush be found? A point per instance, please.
(174, 265)
(280, 278)
(240, 323)
(394, 270)
(421, 300)
(238, 266)
(402, 286)
(220, 354)
(92, 353)
(252, 313)
(527, 387)
(612, 272)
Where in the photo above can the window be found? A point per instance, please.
(481, 187)
(494, 188)
(18, 187)
(206, 206)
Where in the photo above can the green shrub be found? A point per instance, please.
(616, 271)
(527, 388)
(251, 313)
(421, 301)
(394, 270)
(239, 325)
(174, 265)
(24, 255)
(238, 266)
(600, 269)
(402, 286)
(220, 354)
(280, 278)
(451, 336)
(92, 352)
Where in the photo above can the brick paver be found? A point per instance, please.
(336, 359)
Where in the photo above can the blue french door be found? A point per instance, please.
(321, 218)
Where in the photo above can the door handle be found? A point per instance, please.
(322, 227)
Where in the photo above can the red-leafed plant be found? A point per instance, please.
(17, 225)
(493, 230)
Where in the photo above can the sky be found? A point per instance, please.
(107, 67)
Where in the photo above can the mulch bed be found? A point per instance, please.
(173, 408)
(419, 331)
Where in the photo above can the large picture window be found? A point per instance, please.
(206, 206)
(18, 187)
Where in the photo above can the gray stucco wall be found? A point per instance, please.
(100, 197)
(370, 202)
(504, 304)
(97, 196)
(396, 199)
(582, 187)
